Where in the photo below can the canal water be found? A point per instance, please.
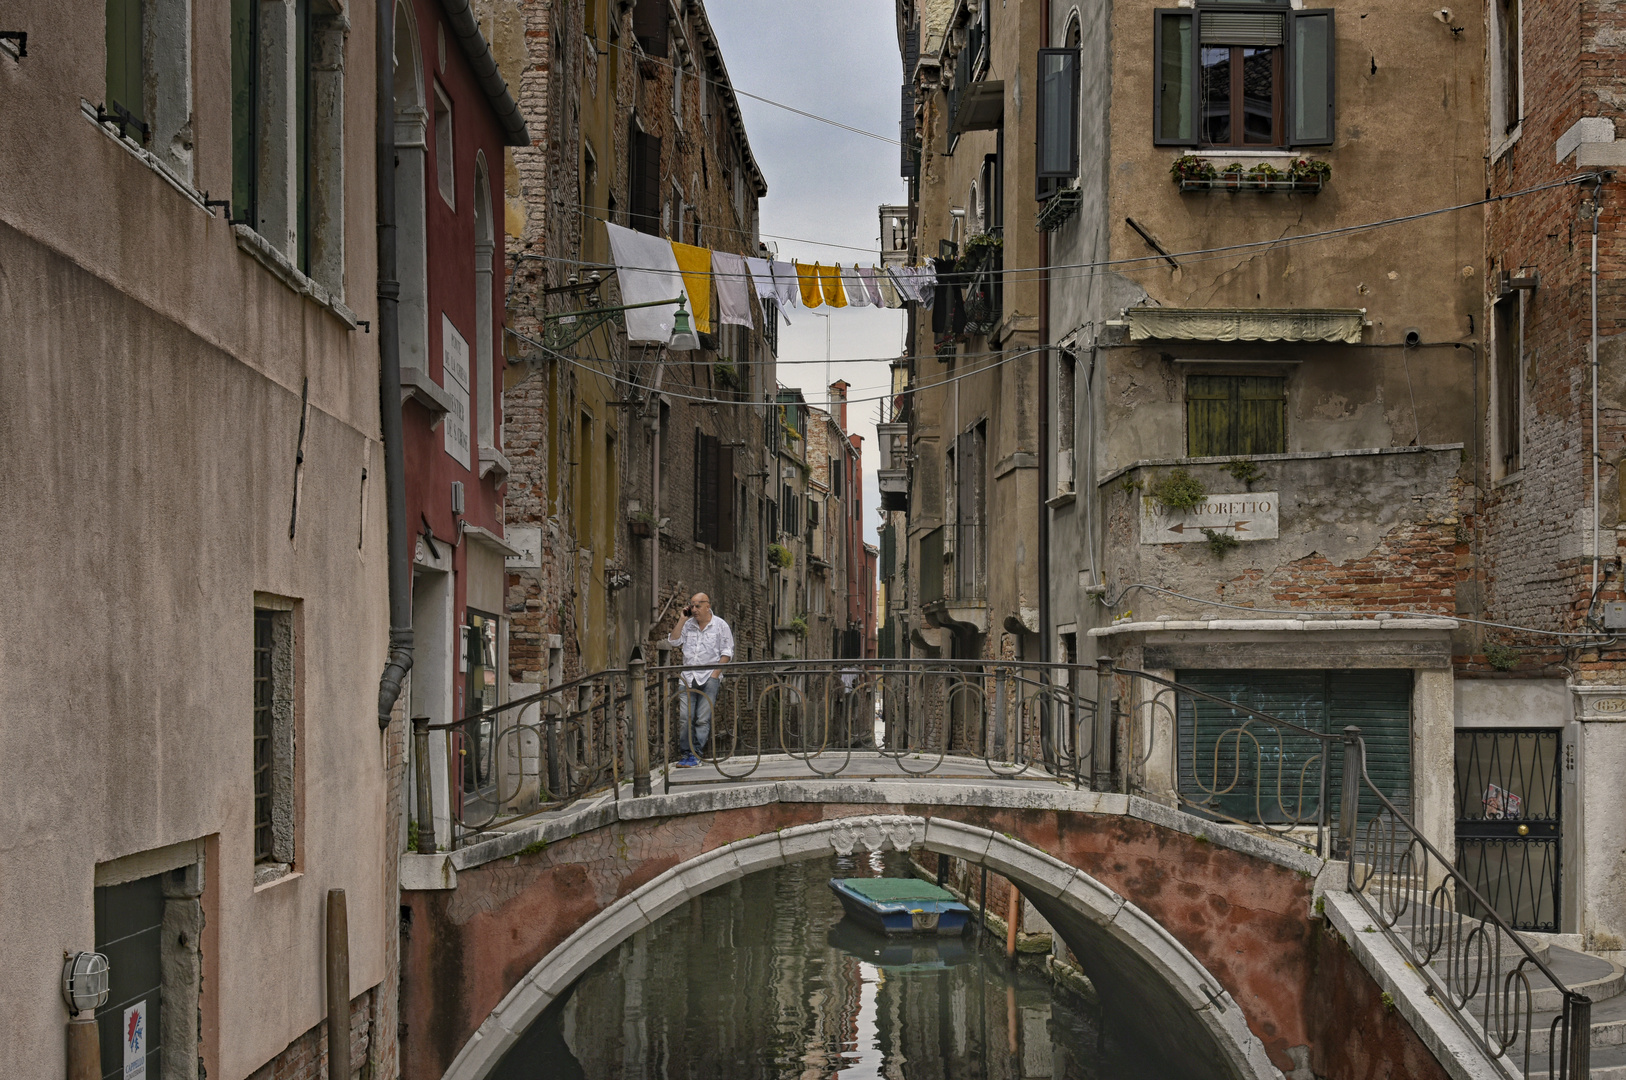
(764, 978)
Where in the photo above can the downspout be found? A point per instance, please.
(655, 607)
(1047, 739)
(389, 374)
(1597, 554)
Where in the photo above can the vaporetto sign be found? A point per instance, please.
(1250, 515)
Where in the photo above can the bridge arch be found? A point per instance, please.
(1175, 994)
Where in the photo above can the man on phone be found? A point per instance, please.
(707, 641)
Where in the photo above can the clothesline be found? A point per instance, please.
(652, 269)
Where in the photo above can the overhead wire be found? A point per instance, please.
(1154, 261)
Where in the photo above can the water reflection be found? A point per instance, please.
(764, 978)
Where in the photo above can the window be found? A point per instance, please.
(149, 78)
(650, 27)
(643, 180)
(288, 132)
(1507, 69)
(1507, 359)
(677, 92)
(1057, 151)
(1232, 76)
(1066, 419)
(714, 492)
(445, 160)
(273, 740)
(1227, 415)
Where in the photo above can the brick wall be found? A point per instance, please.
(1535, 530)
(306, 1057)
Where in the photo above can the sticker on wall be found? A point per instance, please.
(1250, 515)
(135, 1042)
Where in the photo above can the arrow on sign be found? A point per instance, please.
(1239, 526)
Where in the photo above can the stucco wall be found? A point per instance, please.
(151, 410)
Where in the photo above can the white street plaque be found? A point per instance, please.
(1250, 515)
(527, 540)
(454, 354)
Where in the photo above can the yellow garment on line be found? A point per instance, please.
(830, 278)
(695, 262)
(807, 278)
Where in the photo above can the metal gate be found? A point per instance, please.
(1509, 823)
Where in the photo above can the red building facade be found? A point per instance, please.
(454, 117)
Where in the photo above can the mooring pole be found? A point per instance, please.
(338, 987)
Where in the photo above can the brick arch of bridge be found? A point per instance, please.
(1217, 947)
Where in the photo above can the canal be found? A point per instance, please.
(763, 978)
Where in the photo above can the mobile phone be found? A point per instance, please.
(688, 612)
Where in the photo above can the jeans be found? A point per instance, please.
(696, 701)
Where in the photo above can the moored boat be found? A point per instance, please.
(901, 905)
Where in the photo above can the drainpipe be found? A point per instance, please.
(389, 374)
(1597, 554)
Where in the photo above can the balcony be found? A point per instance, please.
(975, 103)
(893, 475)
(954, 577)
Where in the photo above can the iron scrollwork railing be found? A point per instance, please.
(887, 718)
(1293, 777)
(1485, 973)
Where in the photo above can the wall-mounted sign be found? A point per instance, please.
(454, 351)
(1250, 515)
(527, 540)
(135, 1041)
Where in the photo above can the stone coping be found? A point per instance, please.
(606, 810)
(1210, 625)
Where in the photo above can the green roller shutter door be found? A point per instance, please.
(1264, 774)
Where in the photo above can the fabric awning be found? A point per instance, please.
(1246, 324)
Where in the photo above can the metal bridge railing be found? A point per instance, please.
(1265, 772)
(1013, 720)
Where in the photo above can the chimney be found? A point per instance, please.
(838, 402)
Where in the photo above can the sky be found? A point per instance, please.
(838, 59)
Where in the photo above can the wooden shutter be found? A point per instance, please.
(649, 26)
(1311, 76)
(909, 163)
(643, 180)
(125, 67)
(1174, 77)
(1057, 127)
(725, 499)
(705, 495)
(1235, 414)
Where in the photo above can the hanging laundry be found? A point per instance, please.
(733, 289)
(761, 277)
(889, 289)
(808, 278)
(830, 283)
(695, 262)
(785, 285)
(853, 286)
(904, 278)
(866, 274)
(646, 270)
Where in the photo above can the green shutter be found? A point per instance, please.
(1235, 414)
(1311, 78)
(245, 70)
(1261, 413)
(1174, 57)
(125, 75)
(1278, 775)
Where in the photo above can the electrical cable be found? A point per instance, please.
(1301, 612)
(582, 362)
(1195, 255)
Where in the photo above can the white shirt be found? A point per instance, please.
(704, 645)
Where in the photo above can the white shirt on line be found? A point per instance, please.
(704, 645)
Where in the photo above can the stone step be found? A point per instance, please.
(1608, 1063)
(1597, 978)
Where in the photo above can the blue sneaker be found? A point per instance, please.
(687, 761)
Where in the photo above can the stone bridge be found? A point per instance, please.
(1212, 932)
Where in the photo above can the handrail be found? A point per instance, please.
(1569, 1055)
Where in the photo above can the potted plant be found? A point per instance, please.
(779, 555)
(1232, 175)
(642, 523)
(1262, 174)
(1191, 169)
(798, 626)
(1309, 174)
